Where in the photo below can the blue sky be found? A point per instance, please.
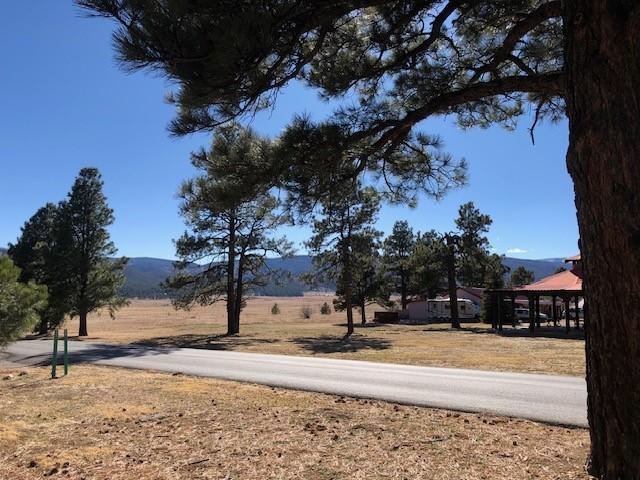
(65, 104)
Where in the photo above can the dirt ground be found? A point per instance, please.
(111, 424)
(475, 346)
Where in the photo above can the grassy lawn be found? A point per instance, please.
(474, 347)
(108, 423)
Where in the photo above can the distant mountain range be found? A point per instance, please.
(144, 275)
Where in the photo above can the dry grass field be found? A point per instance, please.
(156, 322)
(113, 424)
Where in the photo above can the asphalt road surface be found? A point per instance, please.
(547, 398)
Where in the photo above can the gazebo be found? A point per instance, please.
(565, 286)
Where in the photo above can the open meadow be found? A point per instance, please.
(289, 333)
(106, 423)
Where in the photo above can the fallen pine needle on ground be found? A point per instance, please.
(109, 423)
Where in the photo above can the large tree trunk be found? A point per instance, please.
(232, 328)
(82, 331)
(603, 104)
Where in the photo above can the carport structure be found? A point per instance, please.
(565, 286)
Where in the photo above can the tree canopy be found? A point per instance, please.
(342, 231)
(35, 254)
(19, 302)
(85, 254)
(521, 276)
(398, 247)
(223, 253)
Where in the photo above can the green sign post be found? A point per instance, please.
(54, 357)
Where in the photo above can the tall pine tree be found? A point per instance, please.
(85, 254)
(344, 221)
(34, 253)
(398, 247)
(370, 280)
(223, 253)
(472, 256)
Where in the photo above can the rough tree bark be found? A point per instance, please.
(82, 331)
(232, 328)
(603, 105)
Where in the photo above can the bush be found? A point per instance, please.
(18, 303)
(306, 311)
(275, 310)
(325, 309)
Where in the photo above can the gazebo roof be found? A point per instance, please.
(567, 280)
(574, 258)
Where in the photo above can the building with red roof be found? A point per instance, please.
(565, 285)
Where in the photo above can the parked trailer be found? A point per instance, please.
(440, 308)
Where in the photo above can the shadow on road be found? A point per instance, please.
(331, 344)
(95, 352)
(207, 342)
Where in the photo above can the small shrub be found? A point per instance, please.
(275, 310)
(325, 309)
(306, 311)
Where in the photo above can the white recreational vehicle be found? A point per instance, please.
(440, 308)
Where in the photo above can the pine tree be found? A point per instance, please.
(521, 276)
(345, 218)
(427, 265)
(472, 256)
(370, 280)
(397, 253)
(483, 62)
(19, 302)
(223, 253)
(34, 253)
(86, 269)
(325, 309)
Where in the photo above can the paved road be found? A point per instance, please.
(546, 398)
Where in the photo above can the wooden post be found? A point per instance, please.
(566, 313)
(577, 314)
(499, 312)
(492, 303)
(513, 311)
(554, 311)
(532, 320)
(538, 311)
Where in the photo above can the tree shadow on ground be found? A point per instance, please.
(331, 344)
(544, 331)
(94, 352)
(207, 342)
(360, 325)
